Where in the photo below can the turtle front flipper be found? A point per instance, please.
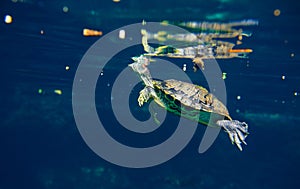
(237, 131)
(145, 95)
(198, 61)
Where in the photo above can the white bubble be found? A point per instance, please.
(224, 75)
(184, 67)
(8, 19)
(122, 34)
(66, 9)
(58, 91)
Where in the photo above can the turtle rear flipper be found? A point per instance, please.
(237, 131)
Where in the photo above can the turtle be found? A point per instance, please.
(191, 101)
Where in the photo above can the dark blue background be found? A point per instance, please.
(39, 142)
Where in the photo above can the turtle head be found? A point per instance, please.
(140, 66)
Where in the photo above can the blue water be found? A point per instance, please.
(39, 141)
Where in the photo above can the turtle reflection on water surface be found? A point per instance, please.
(188, 100)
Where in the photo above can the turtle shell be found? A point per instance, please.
(188, 99)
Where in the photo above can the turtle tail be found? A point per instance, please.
(237, 131)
